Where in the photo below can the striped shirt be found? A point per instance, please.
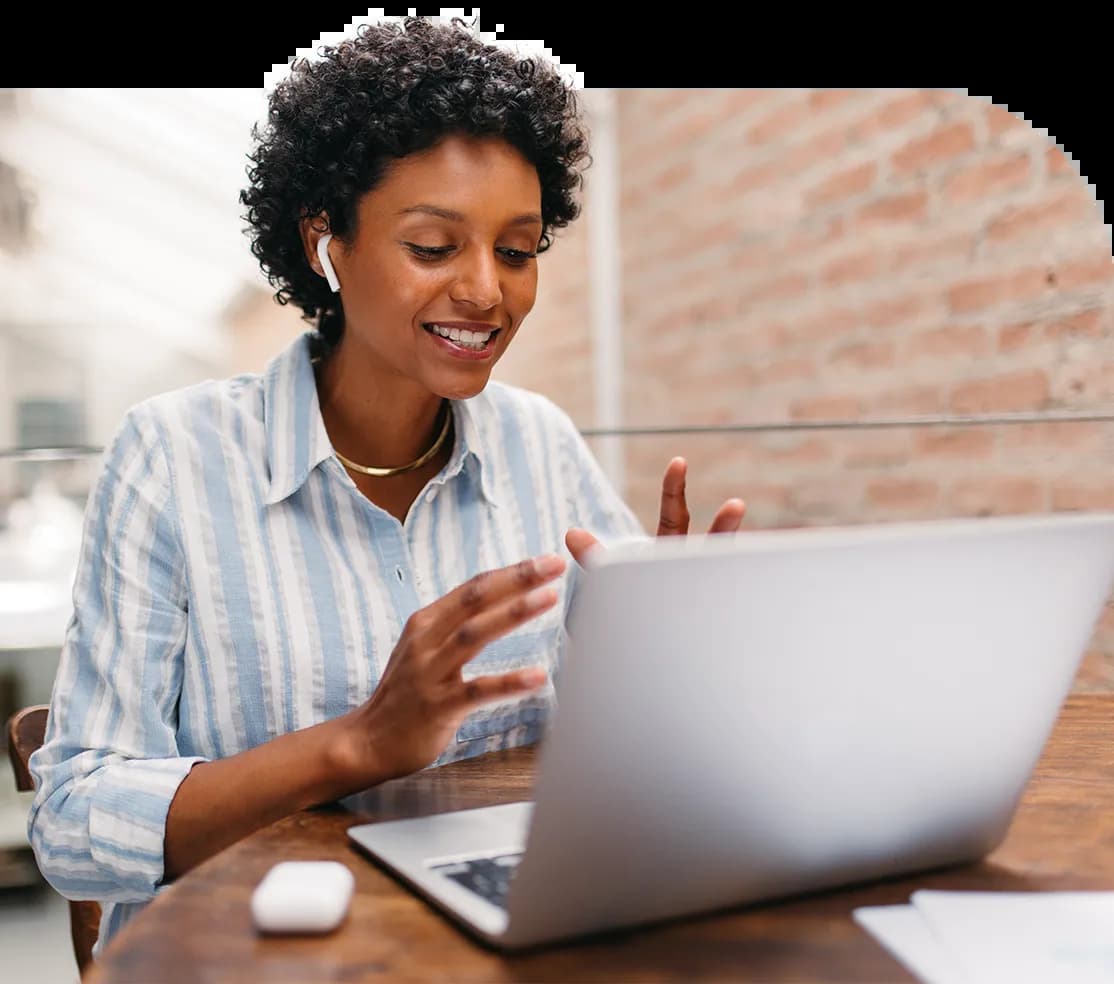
(234, 585)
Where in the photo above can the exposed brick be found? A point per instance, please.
(906, 494)
(719, 328)
(823, 327)
(813, 234)
(1053, 438)
(797, 450)
(923, 252)
(865, 355)
(945, 144)
(673, 176)
(845, 184)
(821, 149)
(893, 114)
(892, 311)
(704, 236)
(910, 401)
(764, 495)
(1083, 272)
(968, 442)
(822, 497)
(1058, 165)
(787, 370)
(662, 101)
(909, 207)
(1084, 382)
(777, 288)
(952, 341)
(721, 388)
(691, 128)
(738, 101)
(876, 449)
(826, 98)
(988, 178)
(1027, 389)
(1014, 337)
(761, 337)
(1068, 495)
(778, 123)
(1084, 324)
(755, 177)
(825, 408)
(1063, 209)
(862, 265)
(1000, 120)
(998, 496)
(988, 291)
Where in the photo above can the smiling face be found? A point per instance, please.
(445, 246)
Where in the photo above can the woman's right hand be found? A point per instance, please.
(422, 698)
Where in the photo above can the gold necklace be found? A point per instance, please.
(386, 472)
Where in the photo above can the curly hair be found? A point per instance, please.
(334, 127)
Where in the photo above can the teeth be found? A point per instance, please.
(469, 339)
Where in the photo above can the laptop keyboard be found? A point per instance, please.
(489, 878)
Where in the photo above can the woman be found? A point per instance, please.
(297, 585)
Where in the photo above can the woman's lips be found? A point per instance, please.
(449, 347)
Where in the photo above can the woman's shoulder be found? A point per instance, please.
(201, 413)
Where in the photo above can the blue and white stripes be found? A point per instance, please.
(235, 585)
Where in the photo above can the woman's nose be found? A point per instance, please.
(477, 283)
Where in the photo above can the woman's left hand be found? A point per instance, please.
(674, 519)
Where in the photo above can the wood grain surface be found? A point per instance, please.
(200, 929)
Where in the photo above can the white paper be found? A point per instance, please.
(1025, 937)
(904, 931)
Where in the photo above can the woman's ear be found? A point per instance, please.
(316, 238)
(326, 263)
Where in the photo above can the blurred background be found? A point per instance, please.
(844, 306)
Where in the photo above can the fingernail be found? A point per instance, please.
(540, 597)
(534, 677)
(549, 564)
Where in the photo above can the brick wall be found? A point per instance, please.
(803, 255)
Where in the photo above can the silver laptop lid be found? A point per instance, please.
(747, 717)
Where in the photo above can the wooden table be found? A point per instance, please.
(200, 930)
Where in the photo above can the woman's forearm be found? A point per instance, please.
(222, 801)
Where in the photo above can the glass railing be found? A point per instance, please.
(798, 473)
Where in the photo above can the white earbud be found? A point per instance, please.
(326, 263)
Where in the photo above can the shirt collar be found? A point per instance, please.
(297, 441)
(296, 438)
(471, 449)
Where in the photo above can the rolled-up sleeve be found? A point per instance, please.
(110, 765)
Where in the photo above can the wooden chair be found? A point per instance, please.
(26, 730)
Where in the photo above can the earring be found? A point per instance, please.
(326, 263)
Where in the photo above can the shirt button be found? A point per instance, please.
(430, 495)
(401, 576)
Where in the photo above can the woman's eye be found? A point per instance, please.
(517, 256)
(429, 252)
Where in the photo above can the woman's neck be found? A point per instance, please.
(373, 419)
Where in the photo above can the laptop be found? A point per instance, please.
(743, 718)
